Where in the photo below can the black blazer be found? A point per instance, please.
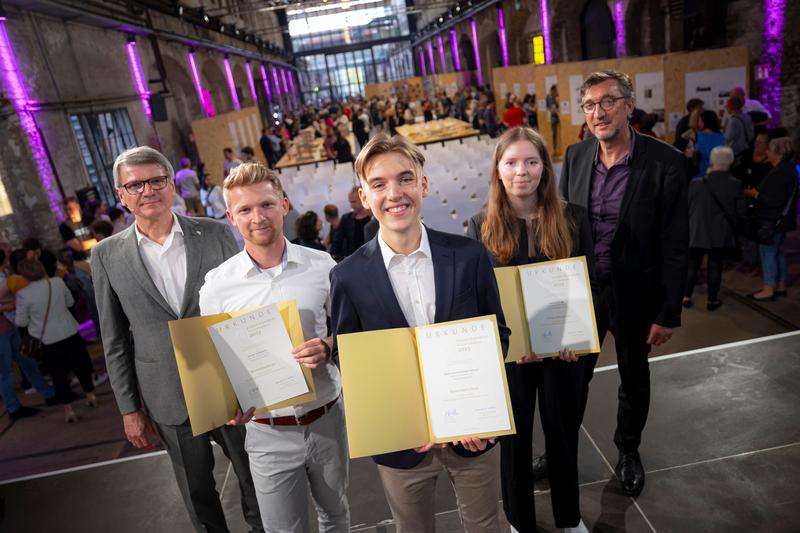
(650, 247)
(708, 225)
(362, 299)
(344, 240)
(774, 193)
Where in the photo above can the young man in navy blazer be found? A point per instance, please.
(411, 275)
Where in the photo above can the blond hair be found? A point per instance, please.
(383, 144)
(249, 174)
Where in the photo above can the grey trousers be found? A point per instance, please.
(289, 461)
(193, 463)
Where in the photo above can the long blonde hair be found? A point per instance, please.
(500, 231)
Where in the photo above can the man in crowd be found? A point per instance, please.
(230, 161)
(634, 188)
(188, 185)
(406, 277)
(301, 447)
(145, 276)
(350, 235)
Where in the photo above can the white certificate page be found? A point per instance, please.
(256, 352)
(558, 305)
(461, 368)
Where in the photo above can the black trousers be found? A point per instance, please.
(193, 463)
(630, 337)
(559, 385)
(65, 356)
(713, 269)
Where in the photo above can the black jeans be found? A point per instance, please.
(65, 356)
(714, 270)
(630, 337)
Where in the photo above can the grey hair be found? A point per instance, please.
(782, 146)
(142, 155)
(721, 158)
(623, 82)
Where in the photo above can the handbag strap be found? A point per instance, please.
(47, 310)
(727, 215)
(791, 199)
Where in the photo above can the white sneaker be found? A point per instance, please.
(580, 528)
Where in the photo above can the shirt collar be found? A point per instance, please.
(625, 160)
(176, 228)
(290, 255)
(388, 254)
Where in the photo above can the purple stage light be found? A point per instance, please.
(619, 26)
(501, 23)
(545, 14)
(454, 50)
(16, 92)
(275, 82)
(430, 57)
(475, 50)
(265, 79)
(285, 88)
(441, 53)
(209, 111)
(772, 57)
(231, 85)
(139, 79)
(422, 61)
(251, 82)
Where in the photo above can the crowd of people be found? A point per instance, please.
(643, 213)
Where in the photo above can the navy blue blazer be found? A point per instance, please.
(362, 299)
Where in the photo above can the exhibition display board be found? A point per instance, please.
(233, 130)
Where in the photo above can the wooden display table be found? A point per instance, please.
(437, 131)
(317, 154)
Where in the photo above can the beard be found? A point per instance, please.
(263, 236)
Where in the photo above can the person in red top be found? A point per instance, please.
(514, 117)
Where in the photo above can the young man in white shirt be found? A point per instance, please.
(411, 275)
(302, 447)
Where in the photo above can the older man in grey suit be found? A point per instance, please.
(144, 277)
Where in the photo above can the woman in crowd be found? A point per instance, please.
(756, 166)
(43, 308)
(525, 221)
(707, 138)
(775, 204)
(344, 152)
(715, 204)
(327, 144)
(308, 227)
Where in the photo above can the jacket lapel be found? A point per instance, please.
(583, 167)
(130, 251)
(192, 238)
(443, 275)
(638, 163)
(381, 286)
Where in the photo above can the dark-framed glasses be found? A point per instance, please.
(137, 187)
(606, 103)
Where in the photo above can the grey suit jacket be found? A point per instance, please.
(133, 316)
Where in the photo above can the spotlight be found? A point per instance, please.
(441, 20)
(180, 10)
(222, 28)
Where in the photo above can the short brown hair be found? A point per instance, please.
(623, 82)
(31, 269)
(383, 144)
(331, 211)
(249, 174)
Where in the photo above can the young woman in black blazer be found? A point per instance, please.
(526, 221)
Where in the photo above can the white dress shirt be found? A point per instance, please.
(303, 276)
(166, 264)
(32, 308)
(412, 280)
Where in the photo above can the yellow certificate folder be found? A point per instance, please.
(383, 390)
(512, 300)
(210, 399)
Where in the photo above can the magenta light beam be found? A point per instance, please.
(285, 88)
(16, 92)
(475, 50)
(293, 88)
(138, 79)
(422, 61)
(619, 26)
(231, 85)
(501, 29)
(772, 57)
(275, 83)
(197, 85)
(441, 53)
(430, 57)
(454, 50)
(251, 82)
(265, 79)
(545, 14)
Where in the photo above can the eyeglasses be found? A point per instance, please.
(606, 103)
(137, 187)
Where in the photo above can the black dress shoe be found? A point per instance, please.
(539, 467)
(713, 305)
(630, 473)
(23, 412)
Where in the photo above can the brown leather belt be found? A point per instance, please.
(306, 419)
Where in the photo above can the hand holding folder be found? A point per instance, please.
(406, 387)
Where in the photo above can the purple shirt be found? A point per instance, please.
(608, 188)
